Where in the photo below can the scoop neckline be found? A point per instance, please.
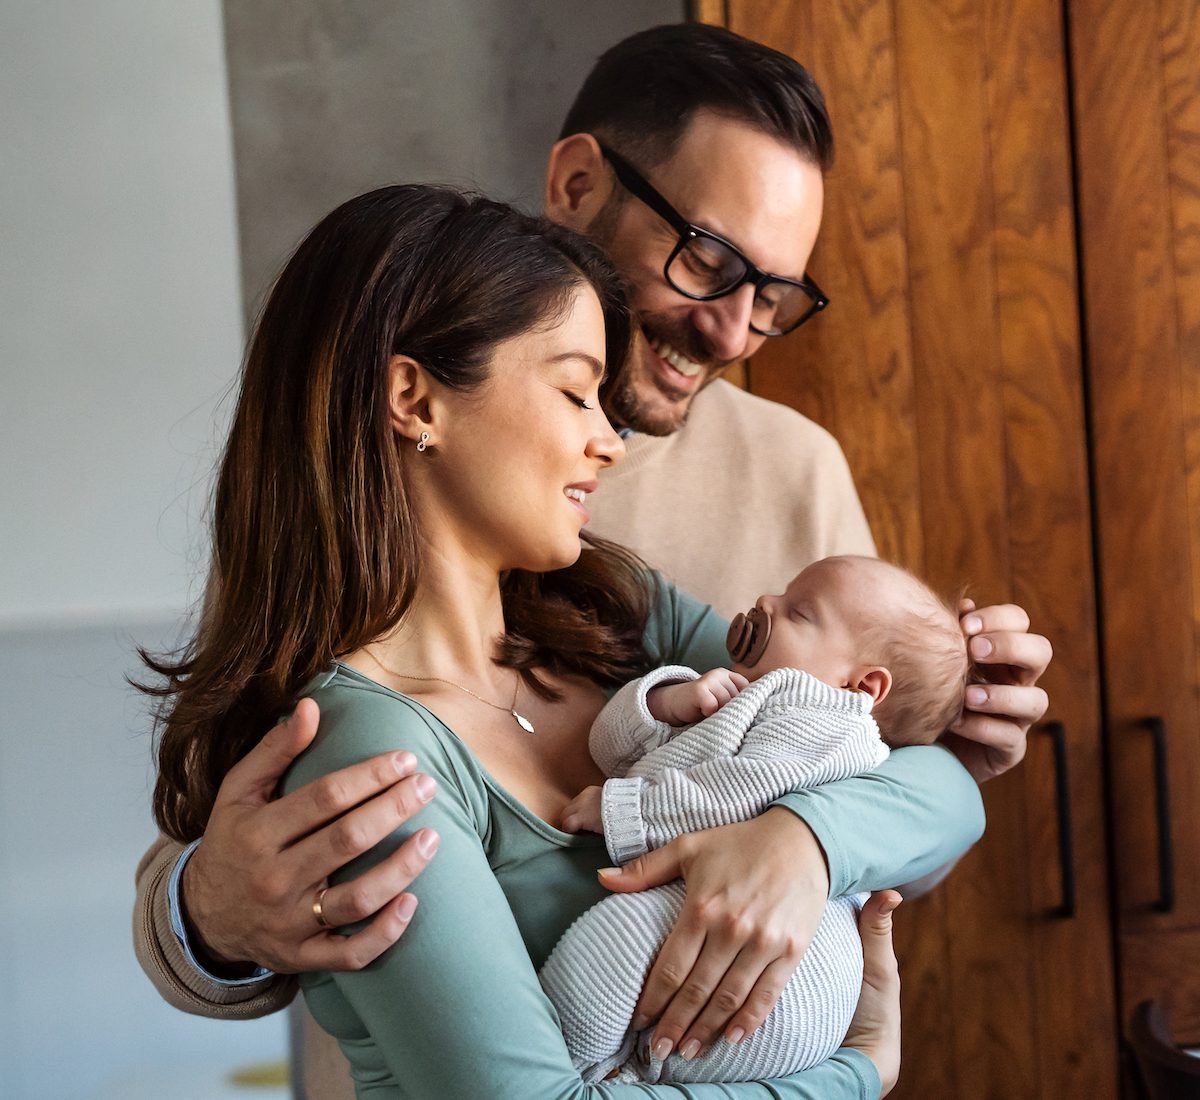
(538, 824)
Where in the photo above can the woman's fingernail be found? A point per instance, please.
(662, 1049)
(976, 696)
(736, 1034)
(426, 787)
(972, 624)
(689, 1050)
(640, 1021)
(609, 872)
(981, 647)
(406, 907)
(427, 842)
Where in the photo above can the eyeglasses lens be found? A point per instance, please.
(705, 268)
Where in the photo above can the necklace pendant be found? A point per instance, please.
(522, 721)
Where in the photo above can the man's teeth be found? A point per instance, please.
(681, 363)
(576, 494)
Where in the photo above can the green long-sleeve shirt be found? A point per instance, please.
(455, 1009)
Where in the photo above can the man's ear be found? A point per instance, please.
(578, 182)
(409, 399)
(874, 680)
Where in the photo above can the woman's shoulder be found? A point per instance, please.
(682, 630)
(361, 719)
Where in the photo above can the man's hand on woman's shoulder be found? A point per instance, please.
(253, 888)
(990, 736)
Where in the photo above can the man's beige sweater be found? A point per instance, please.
(731, 506)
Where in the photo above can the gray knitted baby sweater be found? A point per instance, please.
(786, 731)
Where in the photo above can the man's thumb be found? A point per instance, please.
(258, 773)
(652, 869)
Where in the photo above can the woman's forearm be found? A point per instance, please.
(916, 812)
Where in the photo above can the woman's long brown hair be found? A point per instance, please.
(315, 547)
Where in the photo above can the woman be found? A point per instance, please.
(397, 534)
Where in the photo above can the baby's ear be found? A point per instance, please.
(874, 680)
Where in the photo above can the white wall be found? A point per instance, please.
(120, 325)
(119, 299)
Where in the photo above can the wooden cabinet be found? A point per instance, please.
(1012, 363)
(1137, 96)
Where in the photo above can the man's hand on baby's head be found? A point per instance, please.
(582, 813)
(682, 704)
(990, 737)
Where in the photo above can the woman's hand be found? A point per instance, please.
(756, 892)
(875, 1029)
(990, 736)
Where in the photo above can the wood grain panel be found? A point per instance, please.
(1140, 437)
(1137, 87)
(960, 417)
(1049, 531)
(1154, 963)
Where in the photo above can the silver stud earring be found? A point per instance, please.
(423, 441)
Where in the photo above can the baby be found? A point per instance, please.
(854, 648)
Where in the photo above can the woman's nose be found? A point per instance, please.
(606, 445)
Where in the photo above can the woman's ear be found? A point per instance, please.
(578, 182)
(874, 680)
(409, 399)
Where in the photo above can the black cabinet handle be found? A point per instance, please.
(1162, 809)
(1062, 792)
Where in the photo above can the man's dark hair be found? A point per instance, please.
(642, 93)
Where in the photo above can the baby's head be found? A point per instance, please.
(862, 624)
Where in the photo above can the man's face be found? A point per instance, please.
(755, 191)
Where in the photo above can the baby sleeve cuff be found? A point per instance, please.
(621, 812)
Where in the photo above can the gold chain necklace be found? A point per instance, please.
(521, 720)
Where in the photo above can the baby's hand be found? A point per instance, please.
(582, 813)
(681, 704)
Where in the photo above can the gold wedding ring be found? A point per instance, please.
(317, 911)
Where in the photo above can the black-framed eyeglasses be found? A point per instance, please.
(703, 266)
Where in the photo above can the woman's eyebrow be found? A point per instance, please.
(597, 367)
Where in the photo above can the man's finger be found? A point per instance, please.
(1025, 705)
(254, 778)
(331, 951)
(308, 808)
(354, 829)
(997, 618)
(368, 894)
(1026, 655)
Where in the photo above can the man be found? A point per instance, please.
(705, 185)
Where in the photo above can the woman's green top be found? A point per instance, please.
(454, 1008)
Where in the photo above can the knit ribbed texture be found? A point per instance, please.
(785, 731)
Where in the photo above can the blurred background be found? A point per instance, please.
(159, 163)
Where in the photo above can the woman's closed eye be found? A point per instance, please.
(576, 399)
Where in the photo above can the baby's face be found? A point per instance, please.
(817, 623)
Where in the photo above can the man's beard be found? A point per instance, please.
(627, 408)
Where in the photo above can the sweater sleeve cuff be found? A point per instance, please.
(668, 674)
(179, 927)
(621, 812)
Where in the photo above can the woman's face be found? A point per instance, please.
(517, 457)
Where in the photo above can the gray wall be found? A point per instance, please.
(333, 97)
